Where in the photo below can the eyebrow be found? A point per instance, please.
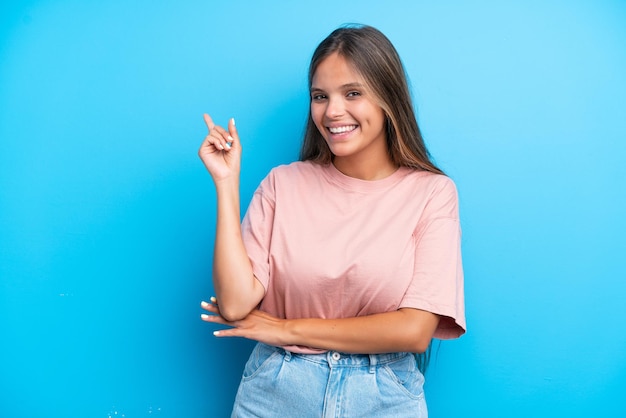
(344, 87)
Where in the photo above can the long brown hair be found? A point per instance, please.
(374, 57)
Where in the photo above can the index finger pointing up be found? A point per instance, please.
(209, 122)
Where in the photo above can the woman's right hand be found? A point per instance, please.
(221, 151)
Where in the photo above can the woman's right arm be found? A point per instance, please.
(236, 288)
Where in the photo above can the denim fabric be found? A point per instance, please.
(278, 384)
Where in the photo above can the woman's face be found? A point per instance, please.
(346, 113)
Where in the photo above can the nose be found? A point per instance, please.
(335, 108)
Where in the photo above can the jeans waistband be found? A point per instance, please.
(339, 359)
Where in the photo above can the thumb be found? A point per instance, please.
(209, 122)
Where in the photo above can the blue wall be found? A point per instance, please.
(107, 215)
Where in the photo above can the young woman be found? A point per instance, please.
(347, 262)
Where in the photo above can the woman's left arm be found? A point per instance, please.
(404, 330)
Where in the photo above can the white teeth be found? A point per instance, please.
(342, 129)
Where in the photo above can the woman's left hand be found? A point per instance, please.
(258, 325)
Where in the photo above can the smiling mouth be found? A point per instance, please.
(342, 129)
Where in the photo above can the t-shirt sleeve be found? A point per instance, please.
(256, 229)
(437, 284)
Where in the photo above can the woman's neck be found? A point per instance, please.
(365, 170)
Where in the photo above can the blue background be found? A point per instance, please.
(107, 215)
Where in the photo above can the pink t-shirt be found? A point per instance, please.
(325, 245)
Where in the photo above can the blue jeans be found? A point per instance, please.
(278, 383)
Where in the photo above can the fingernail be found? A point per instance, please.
(233, 119)
(204, 316)
(216, 333)
(228, 144)
(204, 304)
(213, 299)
